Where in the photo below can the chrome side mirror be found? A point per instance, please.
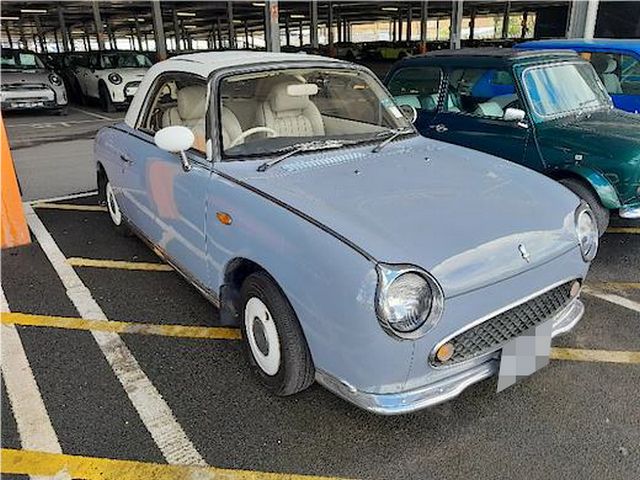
(514, 115)
(409, 112)
(176, 139)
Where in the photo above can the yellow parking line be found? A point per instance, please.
(118, 264)
(25, 462)
(70, 206)
(623, 230)
(605, 356)
(71, 323)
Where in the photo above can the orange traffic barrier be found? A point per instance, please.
(14, 225)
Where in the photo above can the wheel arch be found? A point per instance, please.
(235, 273)
(596, 181)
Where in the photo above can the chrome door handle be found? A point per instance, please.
(440, 128)
(125, 159)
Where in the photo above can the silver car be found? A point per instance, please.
(25, 83)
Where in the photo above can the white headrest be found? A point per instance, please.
(489, 109)
(281, 101)
(611, 65)
(192, 102)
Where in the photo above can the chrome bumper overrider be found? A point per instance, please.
(442, 390)
(632, 211)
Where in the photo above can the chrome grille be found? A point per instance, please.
(24, 86)
(491, 334)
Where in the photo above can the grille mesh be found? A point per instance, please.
(491, 334)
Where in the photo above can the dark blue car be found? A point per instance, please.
(617, 62)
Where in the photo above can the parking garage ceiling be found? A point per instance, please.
(122, 16)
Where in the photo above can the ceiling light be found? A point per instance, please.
(9, 18)
(389, 9)
(237, 21)
(185, 14)
(32, 10)
(190, 26)
(297, 15)
(258, 4)
(133, 19)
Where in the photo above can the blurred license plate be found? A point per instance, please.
(525, 355)
(27, 104)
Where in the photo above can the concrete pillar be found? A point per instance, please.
(313, 29)
(287, 33)
(23, 38)
(55, 38)
(525, 16)
(158, 31)
(219, 32)
(112, 37)
(472, 23)
(300, 33)
(138, 33)
(40, 35)
(394, 28)
(582, 19)
(176, 30)
(8, 34)
(399, 20)
(424, 15)
(505, 20)
(456, 24)
(272, 24)
(231, 29)
(97, 22)
(330, 29)
(66, 41)
(409, 21)
(246, 34)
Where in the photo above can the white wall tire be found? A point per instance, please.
(274, 342)
(115, 213)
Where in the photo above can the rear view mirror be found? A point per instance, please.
(514, 115)
(176, 139)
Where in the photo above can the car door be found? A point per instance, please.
(473, 113)
(418, 87)
(170, 202)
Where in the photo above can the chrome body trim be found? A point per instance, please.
(442, 390)
(631, 211)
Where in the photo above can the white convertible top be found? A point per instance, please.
(205, 63)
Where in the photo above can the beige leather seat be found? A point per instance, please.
(289, 116)
(609, 77)
(231, 128)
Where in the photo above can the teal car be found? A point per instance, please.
(547, 110)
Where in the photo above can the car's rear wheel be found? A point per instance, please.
(105, 99)
(600, 212)
(276, 347)
(117, 219)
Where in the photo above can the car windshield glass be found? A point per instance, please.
(125, 60)
(264, 113)
(20, 60)
(554, 90)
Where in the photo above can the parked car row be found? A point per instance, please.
(110, 78)
(294, 192)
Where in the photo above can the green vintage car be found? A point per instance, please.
(547, 110)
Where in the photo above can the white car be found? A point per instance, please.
(111, 77)
(26, 84)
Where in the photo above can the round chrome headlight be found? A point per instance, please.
(55, 80)
(587, 231)
(115, 78)
(409, 301)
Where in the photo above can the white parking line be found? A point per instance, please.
(612, 298)
(96, 115)
(33, 422)
(153, 410)
(65, 197)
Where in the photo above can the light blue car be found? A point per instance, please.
(297, 197)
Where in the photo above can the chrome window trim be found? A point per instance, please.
(489, 316)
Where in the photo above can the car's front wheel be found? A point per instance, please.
(105, 99)
(600, 212)
(275, 345)
(117, 219)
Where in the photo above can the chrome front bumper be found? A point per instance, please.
(630, 212)
(442, 390)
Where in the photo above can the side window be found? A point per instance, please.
(481, 92)
(418, 87)
(620, 73)
(178, 100)
(630, 75)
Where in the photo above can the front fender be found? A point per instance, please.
(602, 186)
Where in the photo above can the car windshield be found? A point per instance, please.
(555, 90)
(125, 60)
(275, 111)
(20, 61)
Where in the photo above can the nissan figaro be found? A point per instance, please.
(297, 197)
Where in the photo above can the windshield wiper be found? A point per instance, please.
(393, 134)
(303, 147)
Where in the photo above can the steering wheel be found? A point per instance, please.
(252, 131)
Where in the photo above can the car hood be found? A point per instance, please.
(460, 214)
(127, 74)
(25, 76)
